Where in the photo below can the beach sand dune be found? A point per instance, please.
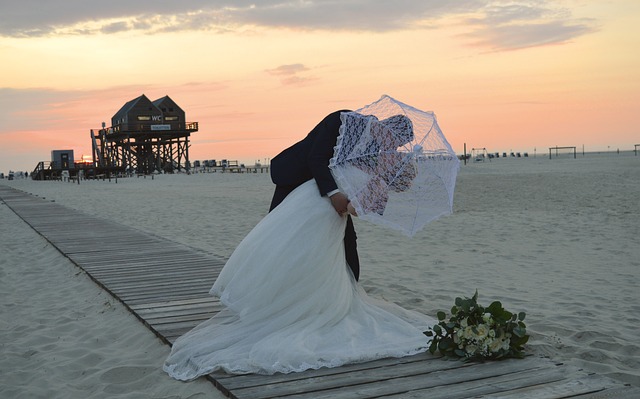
(556, 238)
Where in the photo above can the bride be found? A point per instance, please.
(291, 303)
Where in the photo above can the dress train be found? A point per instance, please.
(291, 302)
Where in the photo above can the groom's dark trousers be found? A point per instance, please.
(309, 159)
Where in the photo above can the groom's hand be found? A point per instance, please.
(339, 202)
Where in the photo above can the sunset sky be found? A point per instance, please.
(257, 76)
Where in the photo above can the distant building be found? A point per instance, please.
(145, 136)
(62, 159)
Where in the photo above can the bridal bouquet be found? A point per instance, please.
(474, 332)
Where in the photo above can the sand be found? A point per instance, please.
(557, 239)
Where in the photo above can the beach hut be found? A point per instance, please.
(145, 137)
(62, 159)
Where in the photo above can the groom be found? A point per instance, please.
(309, 159)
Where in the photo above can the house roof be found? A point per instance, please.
(130, 104)
(167, 102)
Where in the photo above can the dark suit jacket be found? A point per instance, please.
(309, 158)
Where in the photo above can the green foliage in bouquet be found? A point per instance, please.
(474, 332)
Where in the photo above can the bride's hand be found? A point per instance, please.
(351, 209)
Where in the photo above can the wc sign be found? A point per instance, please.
(158, 118)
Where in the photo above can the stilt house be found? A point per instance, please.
(145, 136)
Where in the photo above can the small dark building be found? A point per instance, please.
(62, 163)
(62, 159)
(145, 136)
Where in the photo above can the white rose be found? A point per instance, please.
(483, 331)
(496, 345)
(471, 350)
(468, 332)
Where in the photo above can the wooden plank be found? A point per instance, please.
(171, 304)
(201, 289)
(153, 294)
(129, 267)
(135, 264)
(164, 283)
(135, 268)
(152, 275)
(170, 335)
(386, 380)
(255, 380)
(185, 262)
(162, 317)
(626, 392)
(172, 320)
(155, 298)
(178, 310)
(150, 272)
(492, 386)
(140, 252)
(583, 385)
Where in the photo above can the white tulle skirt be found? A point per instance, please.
(292, 304)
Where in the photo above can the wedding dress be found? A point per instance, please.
(292, 303)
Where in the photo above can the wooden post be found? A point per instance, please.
(464, 156)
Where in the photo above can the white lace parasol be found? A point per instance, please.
(395, 165)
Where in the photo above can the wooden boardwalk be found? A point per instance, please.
(166, 285)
